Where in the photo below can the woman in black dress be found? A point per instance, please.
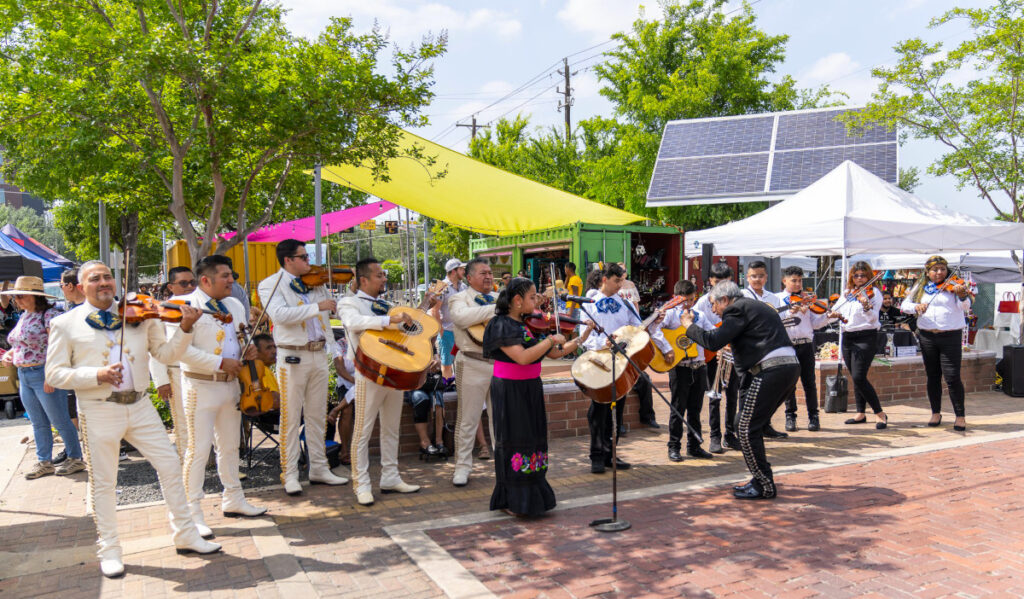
(517, 399)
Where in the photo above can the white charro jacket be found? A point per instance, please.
(357, 316)
(203, 355)
(77, 352)
(466, 312)
(290, 312)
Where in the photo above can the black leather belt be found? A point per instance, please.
(772, 363)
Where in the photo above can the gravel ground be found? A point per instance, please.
(137, 480)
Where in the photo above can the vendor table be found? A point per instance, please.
(993, 340)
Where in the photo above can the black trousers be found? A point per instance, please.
(599, 418)
(762, 395)
(715, 404)
(688, 386)
(643, 391)
(942, 353)
(859, 350)
(805, 353)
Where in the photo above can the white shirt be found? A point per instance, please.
(127, 382)
(703, 306)
(857, 319)
(945, 312)
(314, 328)
(672, 321)
(767, 297)
(611, 321)
(808, 321)
(449, 291)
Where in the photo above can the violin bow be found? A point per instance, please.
(124, 301)
(554, 303)
(263, 313)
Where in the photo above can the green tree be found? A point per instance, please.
(910, 178)
(209, 110)
(979, 121)
(395, 272)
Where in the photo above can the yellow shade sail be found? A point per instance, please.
(474, 195)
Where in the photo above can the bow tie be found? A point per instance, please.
(483, 299)
(298, 286)
(218, 306)
(931, 288)
(609, 305)
(379, 307)
(103, 320)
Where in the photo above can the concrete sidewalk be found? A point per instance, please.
(430, 544)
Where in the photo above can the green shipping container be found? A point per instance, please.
(652, 254)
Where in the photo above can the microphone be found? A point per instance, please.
(575, 298)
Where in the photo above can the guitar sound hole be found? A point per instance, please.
(414, 329)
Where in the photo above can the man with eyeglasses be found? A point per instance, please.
(167, 378)
(73, 296)
(302, 331)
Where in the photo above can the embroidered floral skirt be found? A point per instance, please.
(520, 447)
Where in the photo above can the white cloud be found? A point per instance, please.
(832, 66)
(407, 22)
(601, 18)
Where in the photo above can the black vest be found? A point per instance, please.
(753, 328)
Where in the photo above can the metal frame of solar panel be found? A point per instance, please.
(757, 157)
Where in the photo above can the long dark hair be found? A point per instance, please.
(518, 286)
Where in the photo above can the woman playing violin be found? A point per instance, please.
(939, 302)
(860, 307)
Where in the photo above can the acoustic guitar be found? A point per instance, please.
(398, 356)
(682, 346)
(592, 371)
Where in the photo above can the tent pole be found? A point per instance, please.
(317, 211)
(426, 263)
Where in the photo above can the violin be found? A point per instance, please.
(540, 323)
(809, 299)
(318, 275)
(952, 283)
(255, 398)
(138, 307)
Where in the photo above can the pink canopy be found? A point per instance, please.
(304, 229)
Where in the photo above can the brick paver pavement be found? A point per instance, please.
(921, 525)
(323, 544)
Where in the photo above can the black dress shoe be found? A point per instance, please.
(674, 455)
(652, 423)
(771, 433)
(699, 453)
(752, 491)
(812, 423)
(936, 423)
(597, 467)
(790, 422)
(732, 443)
(749, 485)
(716, 446)
(855, 421)
(619, 464)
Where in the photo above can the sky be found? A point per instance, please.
(503, 57)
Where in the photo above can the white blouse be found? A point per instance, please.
(858, 319)
(945, 312)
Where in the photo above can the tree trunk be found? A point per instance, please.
(130, 247)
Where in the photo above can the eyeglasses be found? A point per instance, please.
(304, 257)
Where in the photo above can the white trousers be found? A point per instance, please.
(373, 399)
(211, 410)
(473, 384)
(103, 426)
(303, 400)
(177, 404)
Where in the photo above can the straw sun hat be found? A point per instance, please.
(28, 286)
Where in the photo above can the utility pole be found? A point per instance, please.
(473, 127)
(568, 101)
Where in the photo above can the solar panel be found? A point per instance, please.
(758, 157)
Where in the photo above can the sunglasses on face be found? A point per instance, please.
(304, 257)
(190, 283)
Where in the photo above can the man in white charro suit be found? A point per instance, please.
(302, 332)
(361, 312)
(85, 354)
(209, 376)
(167, 377)
(474, 305)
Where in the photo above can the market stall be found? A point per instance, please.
(851, 211)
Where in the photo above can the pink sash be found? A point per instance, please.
(516, 372)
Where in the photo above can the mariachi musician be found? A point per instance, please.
(472, 306)
(209, 369)
(302, 333)
(362, 312)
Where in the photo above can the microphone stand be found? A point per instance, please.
(614, 524)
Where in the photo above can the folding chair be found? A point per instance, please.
(266, 426)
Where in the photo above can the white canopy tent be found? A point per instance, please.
(986, 267)
(851, 211)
